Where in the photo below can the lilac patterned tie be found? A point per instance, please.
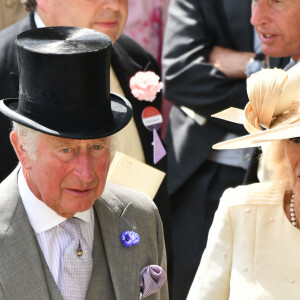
(78, 263)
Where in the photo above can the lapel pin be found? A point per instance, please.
(129, 238)
(152, 119)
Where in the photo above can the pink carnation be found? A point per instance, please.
(145, 85)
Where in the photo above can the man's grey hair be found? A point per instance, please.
(28, 138)
(30, 5)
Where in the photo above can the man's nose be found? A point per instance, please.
(83, 168)
(259, 12)
(112, 4)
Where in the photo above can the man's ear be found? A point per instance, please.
(20, 152)
(42, 5)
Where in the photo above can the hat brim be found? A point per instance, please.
(259, 138)
(121, 112)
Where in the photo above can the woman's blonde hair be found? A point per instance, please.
(276, 163)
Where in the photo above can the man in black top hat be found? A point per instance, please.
(65, 233)
(109, 17)
(106, 16)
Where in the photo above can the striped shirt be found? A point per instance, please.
(52, 238)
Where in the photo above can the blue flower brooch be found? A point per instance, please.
(129, 238)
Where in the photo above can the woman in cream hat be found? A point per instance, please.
(253, 248)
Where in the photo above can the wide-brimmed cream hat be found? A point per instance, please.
(272, 112)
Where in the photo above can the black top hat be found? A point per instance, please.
(64, 85)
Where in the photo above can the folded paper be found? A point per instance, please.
(129, 172)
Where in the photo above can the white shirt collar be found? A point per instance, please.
(38, 21)
(41, 216)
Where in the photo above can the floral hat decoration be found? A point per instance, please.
(272, 112)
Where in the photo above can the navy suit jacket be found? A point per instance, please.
(193, 28)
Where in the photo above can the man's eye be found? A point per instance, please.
(66, 150)
(295, 140)
(97, 147)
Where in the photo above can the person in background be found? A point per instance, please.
(65, 233)
(10, 12)
(209, 49)
(276, 28)
(253, 244)
(145, 24)
(276, 25)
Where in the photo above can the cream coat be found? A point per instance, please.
(253, 251)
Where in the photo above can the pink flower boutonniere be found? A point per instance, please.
(145, 85)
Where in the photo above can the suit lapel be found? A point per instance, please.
(128, 66)
(21, 271)
(125, 66)
(25, 24)
(123, 262)
(238, 16)
(11, 66)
